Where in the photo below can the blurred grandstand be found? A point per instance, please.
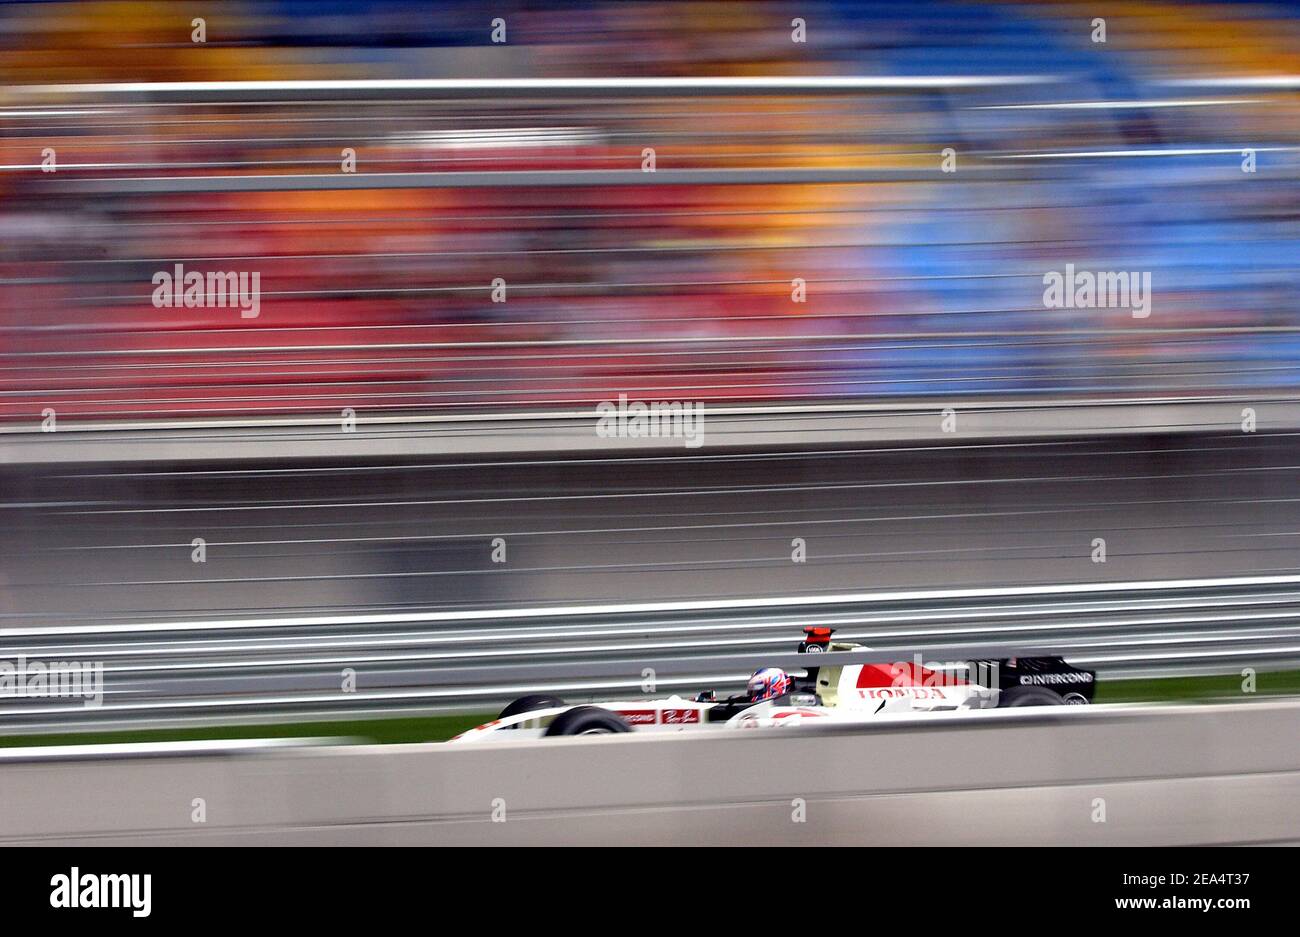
(377, 286)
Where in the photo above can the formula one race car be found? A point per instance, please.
(842, 693)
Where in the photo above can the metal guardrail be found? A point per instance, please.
(1163, 775)
(551, 431)
(337, 666)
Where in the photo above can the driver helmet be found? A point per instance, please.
(768, 683)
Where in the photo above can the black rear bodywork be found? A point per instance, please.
(1072, 684)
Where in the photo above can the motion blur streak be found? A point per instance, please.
(92, 542)
(313, 313)
(383, 292)
(386, 568)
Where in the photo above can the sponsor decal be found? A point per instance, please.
(798, 713)
(681, 717)
(915, 692)
(1052, 679)
(640, 717)
(668, 717)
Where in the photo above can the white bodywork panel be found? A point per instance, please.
(851, 693)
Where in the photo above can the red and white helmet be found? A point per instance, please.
(768, 683)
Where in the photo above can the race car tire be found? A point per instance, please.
(1029, 696)
(587, 720)
(526, 704)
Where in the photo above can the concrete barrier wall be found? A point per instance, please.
(1164, 775)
